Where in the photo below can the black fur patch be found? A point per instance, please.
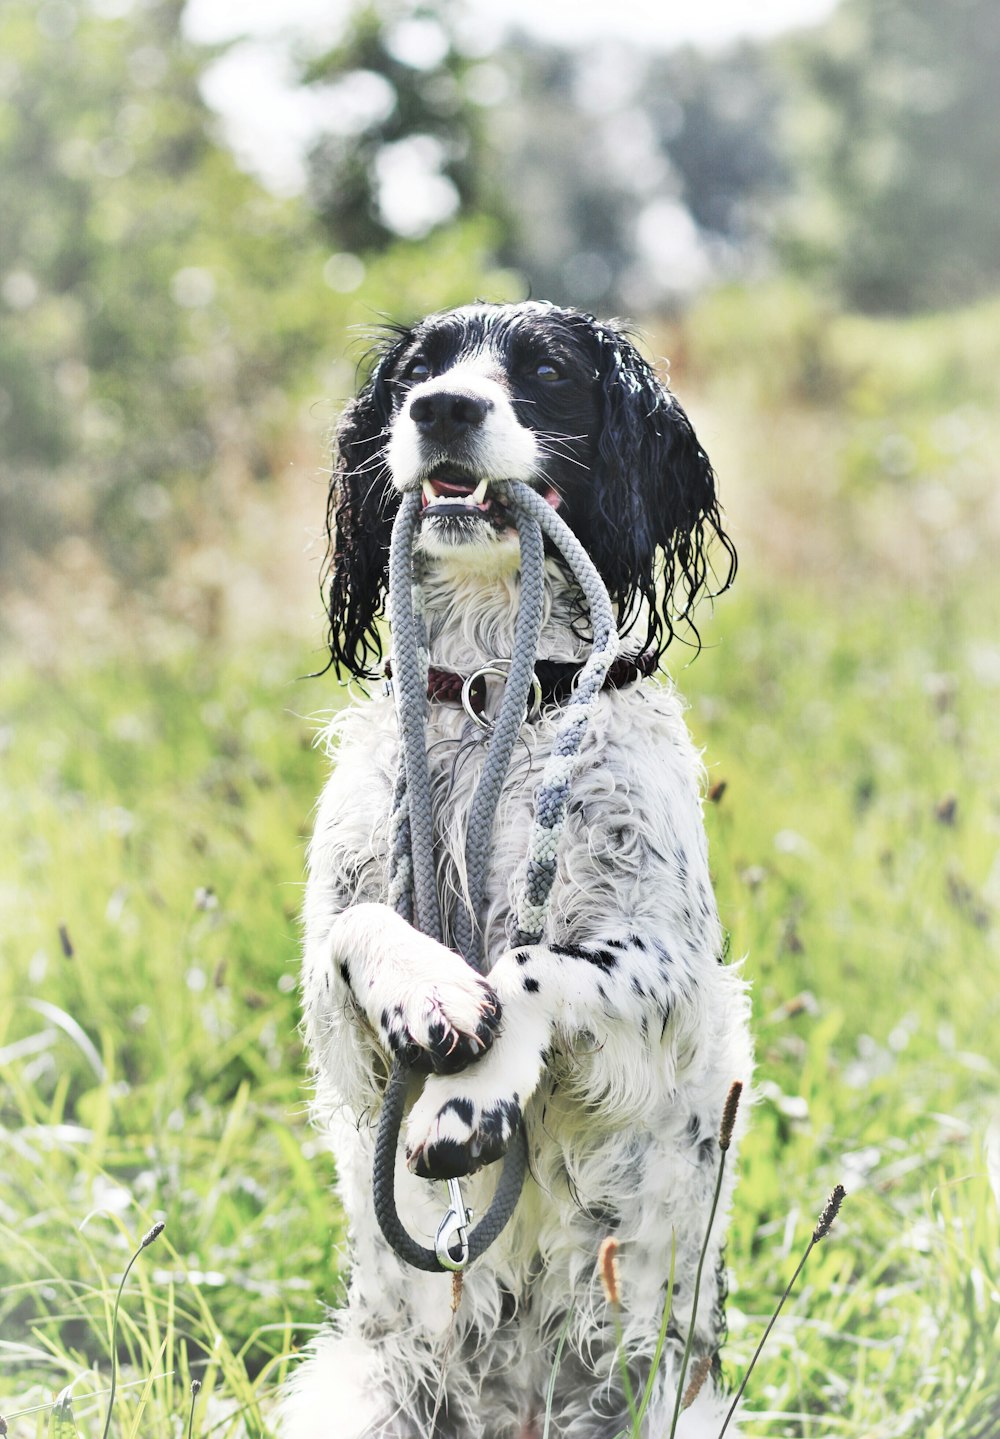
(451, 1158)
(603, 958)
(464, 1108)
(448, 1159)
(570, 951)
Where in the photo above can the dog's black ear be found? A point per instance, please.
(361, 507)
(656, 509)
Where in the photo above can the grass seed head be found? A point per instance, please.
(829, 1213)
(152, 1234)
(729, 1114)
(195, 1387)
(607, 1264)
(698, 1376)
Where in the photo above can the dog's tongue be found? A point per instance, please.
(453, 487)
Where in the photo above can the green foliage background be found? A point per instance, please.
(173, 344)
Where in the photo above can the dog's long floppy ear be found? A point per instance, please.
(655, 495)
(361, 507)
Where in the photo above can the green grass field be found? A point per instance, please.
(151, 848)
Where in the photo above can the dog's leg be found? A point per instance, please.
(589, 1397)
(459, 1124)
(399, 1363)
(421, 1000)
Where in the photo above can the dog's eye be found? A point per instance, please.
(417, 369)
(548, 372)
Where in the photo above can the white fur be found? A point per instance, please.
(505, 449)
(619, 1050)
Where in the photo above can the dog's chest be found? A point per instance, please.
(633, 836)
(353, 834)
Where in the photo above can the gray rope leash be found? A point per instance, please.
(468, 932)
(413, 837)
(552, 798)
(412, 882)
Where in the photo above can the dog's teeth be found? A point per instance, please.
(429, 492)
(479, 493)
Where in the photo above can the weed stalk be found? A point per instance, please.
(145, 1242)
(195, 1391)
(607, 1264)
(820, 1232)
(725, 1139)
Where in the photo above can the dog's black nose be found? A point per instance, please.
(446, 415)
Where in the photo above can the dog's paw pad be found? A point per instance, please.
(445, 1028)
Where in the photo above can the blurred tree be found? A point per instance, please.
(716, 116)
(633, 177)
(406, 86)
(571, 151)
(150, 294)
(566, 187)
(896, 128)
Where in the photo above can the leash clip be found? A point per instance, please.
(453, 1231)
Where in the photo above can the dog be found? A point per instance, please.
(617, 1037)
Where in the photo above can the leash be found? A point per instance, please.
(412, 878)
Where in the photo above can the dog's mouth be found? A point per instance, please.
(452, 493)
(449, 491)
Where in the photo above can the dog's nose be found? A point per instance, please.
(446, 415)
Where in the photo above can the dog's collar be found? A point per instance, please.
(556, 679)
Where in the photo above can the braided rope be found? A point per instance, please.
(412, 881)
(552, 797)
(410, 682)
(503, 736)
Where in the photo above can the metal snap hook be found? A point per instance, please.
(499, 669)
(453, 1231)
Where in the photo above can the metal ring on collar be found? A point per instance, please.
(499, 670)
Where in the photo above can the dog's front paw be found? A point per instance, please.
(443, 1026)
(457, 1126)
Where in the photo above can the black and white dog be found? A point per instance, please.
(619, 1036)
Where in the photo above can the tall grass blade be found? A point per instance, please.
(62, 1425)
(550, 1389)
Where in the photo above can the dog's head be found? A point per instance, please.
(527, 392)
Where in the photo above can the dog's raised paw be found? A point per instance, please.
(444, 1027)
(451, 1133)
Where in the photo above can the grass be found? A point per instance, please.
(151, 842)
(155, 824)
